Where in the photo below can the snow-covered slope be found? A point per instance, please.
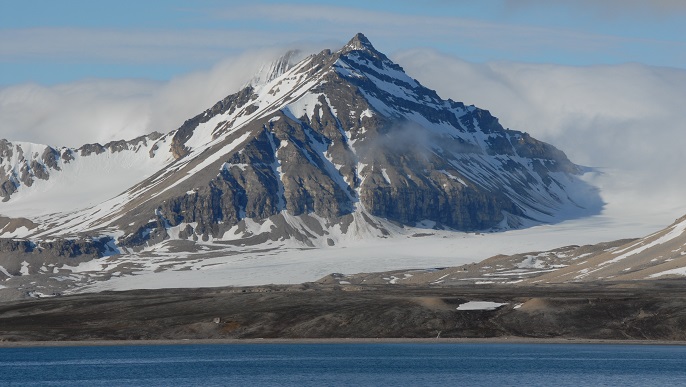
(47, 180)
(657, 256)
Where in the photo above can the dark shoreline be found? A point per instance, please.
(495, 340)
(653, 313)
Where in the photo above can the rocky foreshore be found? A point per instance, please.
(617, 311)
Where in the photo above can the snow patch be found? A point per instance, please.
(24, 268)
(385, 175)
(678, 271)
(480, 305)
(5, 272)
(675, 232)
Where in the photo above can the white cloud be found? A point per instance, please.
(627, 120)
(103, 110)
(68, 114)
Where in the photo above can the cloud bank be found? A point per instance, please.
(627, 120)
(100, 110)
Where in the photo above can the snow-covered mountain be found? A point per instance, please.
(341, 145)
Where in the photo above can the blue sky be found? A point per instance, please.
(51, 42)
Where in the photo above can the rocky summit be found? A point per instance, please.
(342, 144)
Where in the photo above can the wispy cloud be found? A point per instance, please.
(270, 25)
(131, 46)
(608, 7)
(101, 110)
(400, 26)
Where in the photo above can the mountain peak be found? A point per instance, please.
(359, 42)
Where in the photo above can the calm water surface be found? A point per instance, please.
(346, 364)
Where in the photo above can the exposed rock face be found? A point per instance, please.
(57, 247)
(19, 257)
(228, 104)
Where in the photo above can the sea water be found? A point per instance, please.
(345, 365)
